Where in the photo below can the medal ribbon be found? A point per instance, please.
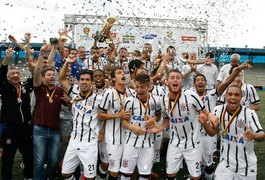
(18, 87)
(145, 105)
(81, 99)
(50, 96)
(230, 120)
(119, 97)
(174, 104)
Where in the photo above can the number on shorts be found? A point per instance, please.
(198, 165)
(91, 167)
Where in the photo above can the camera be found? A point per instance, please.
(54, 41)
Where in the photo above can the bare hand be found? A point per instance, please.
(27, 37)
(137, 130)
(248, 134)
(203, 117)
(245, 65)
(150, 121)
(125, 115)
(65, 98)
(12, 39)
(9, 51)
(71, 59)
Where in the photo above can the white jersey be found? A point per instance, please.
(111, 104)
(85, 113)
(89, 64)
(138, 110)
(249, 95)
(184, 123)
(209, 100)
(236, 152)
(160, 92)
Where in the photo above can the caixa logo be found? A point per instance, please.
(232, 138)
(179, 120)
(137, 118)
(149, 36)
(83, 108)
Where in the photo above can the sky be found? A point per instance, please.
(232, 23)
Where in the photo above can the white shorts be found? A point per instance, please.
(192, 157)
(157, 147)
(81, 152)
(103, 155)
(114, 156)
(142, 157)
(223, 173)
(208, 148)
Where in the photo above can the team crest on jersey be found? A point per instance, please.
(125, 163)
(183, 107)
(152, 107)
(240, 123)
(90, 102)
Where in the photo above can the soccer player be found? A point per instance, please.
(181, 112)
(83, 145)
(209, 99)
(138, 148)
(240, 127)
(111, 110)
(250, 97)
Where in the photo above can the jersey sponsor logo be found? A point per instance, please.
(138, 118)
(232, 138)
(179, 120)
(83, 108)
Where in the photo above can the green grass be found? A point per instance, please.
(259, 149)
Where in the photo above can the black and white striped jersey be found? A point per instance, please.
(160, 92)
(209, 100)
(184, 123)
(249, 95)
(85, 112)
(111, 103)
(236, 152)
(138, 110)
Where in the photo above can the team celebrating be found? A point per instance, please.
(108, 113)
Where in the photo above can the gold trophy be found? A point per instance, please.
(104, 33)
(63, 38)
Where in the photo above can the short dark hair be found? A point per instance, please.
(173, 70)
(122, 48)
(197, 75)
(87, 71)
(101, 71)
(44, 70)
(235, 86)
(210, 54)
(143, 78)
(170, 47)
(133, 64)
(112, 75)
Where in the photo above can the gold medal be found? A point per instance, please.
(224, 133)
(50, 101)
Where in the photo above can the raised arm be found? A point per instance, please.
(209, 121)
(223, 85)
(8, 55)
(37, 71)
(63, 71)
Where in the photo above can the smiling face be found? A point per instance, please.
(200, 84)
(99, 79)
(85, 82)
(14, 75)
(174, 81)
(233, 97)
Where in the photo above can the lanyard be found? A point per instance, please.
(224, 132)
(119, 97)
(174, 104)
(18, 87)
(81, 99)
(145, 105)
(50, 96)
